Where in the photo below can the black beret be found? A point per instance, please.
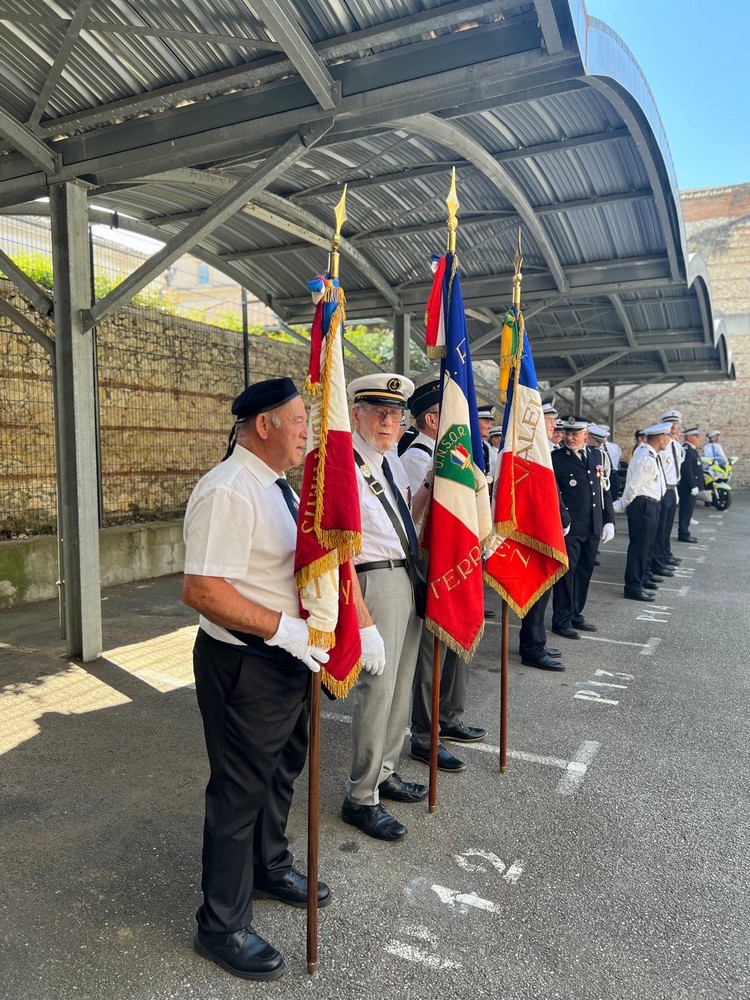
(264, 396)
(424, 397)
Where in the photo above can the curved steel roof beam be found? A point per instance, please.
(612, 70)
(281, 213)
(623, 317)
(457, 141)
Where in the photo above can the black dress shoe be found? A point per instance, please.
(636, 595)
(551, 651)
(291, 889)
(243, 953)
(687, 538)
(372, 820)
(445, 760)
(566, 633)
(672, 560)
(652, 578)
(583, 626)
(650, 583)
(660, 570)
(394, 787)
(462, 733)
(489, 613)
(543, 663)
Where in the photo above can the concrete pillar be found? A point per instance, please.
(401, 343)
(78, 525)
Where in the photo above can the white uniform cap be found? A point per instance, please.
(574, 424)
(671, 416)
(711, 434)
(381, 389)
(486, 412)
(549, 408)
(690, 431)
(655, 429)
(598, 431)
(496, 432)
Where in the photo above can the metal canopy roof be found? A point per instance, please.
(228, 129)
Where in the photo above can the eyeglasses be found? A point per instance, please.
(383, 413)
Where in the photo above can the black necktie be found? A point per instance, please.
(403, 510)
(289, 497)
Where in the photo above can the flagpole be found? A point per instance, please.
(452, 222)
(313, 799)
(517, 278)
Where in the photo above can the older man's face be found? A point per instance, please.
(485, 426)
(549, 423)
(378, 425)
(575, 440)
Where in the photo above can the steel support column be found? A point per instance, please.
(401, 343)
(578, 397)
(611, 410)
(78, 523)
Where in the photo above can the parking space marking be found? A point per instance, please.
(578, 768)
(412, 953)
(650, 648)
(616, 642)
(462, 901)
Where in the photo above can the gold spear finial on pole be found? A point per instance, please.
(452, 202)
(517, 276)
(340, 212)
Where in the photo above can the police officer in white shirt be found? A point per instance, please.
(486, 416)
(713, 449)
(644, 488)
(385, 568)
(252, 661)
(672, 457)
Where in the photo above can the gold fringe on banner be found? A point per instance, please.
(443, 636)
(340, 689)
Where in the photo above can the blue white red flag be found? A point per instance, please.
(528, 553)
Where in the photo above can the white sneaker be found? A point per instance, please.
(693, 521)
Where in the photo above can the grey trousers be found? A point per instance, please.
(454, 683)
(380, 705)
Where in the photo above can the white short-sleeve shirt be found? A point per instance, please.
(417, 462)
(379, 538)
(238, 527)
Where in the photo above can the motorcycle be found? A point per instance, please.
(716, 476)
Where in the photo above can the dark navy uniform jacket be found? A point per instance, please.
(581, 490)
(691, 472)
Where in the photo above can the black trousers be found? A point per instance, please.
(454, 684)
(687, 506)
(667, 509)
(570, 592)
(643, 518)
(533, 638)
(255, 716)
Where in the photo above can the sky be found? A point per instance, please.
(696, 60)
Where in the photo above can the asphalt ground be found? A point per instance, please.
(610, 861)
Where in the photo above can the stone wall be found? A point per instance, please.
(165, 389)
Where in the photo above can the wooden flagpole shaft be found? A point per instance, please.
(313, 811)
(435, 723)
(504, 689)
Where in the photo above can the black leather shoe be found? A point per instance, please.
(650, 583)
(639, 596)
(543, 663)
(489, 613)
(394, 787)
(660, 570)
(291, 889)
(687, 538)
(673, 560)
(583, 626)
(652, 578)
(243, 953)
(462, 733)
(551, 651)
(445, 760)
(372, 820)
(566, 633)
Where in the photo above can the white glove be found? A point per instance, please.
(608, 533)
(373, 650)
(293, 635)
(694, 492)
(619, 506)
(566, 530)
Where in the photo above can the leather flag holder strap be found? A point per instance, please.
(418, 582)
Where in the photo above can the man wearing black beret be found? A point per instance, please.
(252, 659)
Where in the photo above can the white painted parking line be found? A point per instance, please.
(576, 771)
(616, 642)
(650, 648)
(601, 684)
(461, 901)
(594, 696)
(670, 590)
(419, 954)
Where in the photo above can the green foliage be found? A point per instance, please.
(38, 267)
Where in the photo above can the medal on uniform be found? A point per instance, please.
(573, 482)
(365, 471)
